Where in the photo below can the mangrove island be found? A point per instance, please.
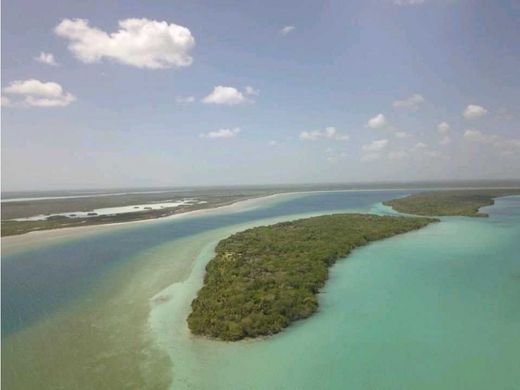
(449, 203)
(264, 278)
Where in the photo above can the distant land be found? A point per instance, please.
(449, 203)
(27, 211)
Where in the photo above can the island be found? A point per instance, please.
(449, 203)
(263, 279)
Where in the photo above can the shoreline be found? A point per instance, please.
(18, 242)
(15, 243)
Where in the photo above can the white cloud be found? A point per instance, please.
(474, 111)
(408, 2)
(443, 128)
(49, 102)
(225, 95)
(328, 133)
(184, 99)
(477, 136)
(46, 58)
(222, 133)
(273, 143)
(505, 145)
(251, 91)
(377, 122)
(287, 29)
(375, 146)
(411, 103)
(35, 93)
(401, 134)
(34, 87)
(138, 42)
(311, 135)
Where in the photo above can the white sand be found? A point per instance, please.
(114, 210)
(11, 244)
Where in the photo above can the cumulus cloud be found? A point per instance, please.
(225, 95)
(142, 43)
(222, 133)
(328, 133)
(443, 128)
(184, 99)
(410, 103)
(311, 135)
(35, 93)
(286, 30)
(377, 122)
(474, 111)
(46, 58)
(375, 146)
(505, 145)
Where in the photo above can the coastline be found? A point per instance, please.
(15, 243)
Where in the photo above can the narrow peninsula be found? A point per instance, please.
(449, 203)
(264, 278)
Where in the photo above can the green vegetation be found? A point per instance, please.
(463, 202)
(264, 278)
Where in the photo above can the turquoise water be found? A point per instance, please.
(37, 282)
(437, 308)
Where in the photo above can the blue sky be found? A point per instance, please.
(161, 93)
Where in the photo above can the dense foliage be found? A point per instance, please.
(464, 202)
(264, 278)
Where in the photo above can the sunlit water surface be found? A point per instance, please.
(437, 308)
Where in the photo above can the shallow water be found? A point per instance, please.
(436, 308)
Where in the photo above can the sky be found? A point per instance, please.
(132, 93)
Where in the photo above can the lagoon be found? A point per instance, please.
(435, 308)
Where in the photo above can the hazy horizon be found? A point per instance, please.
(242, 93)
(381, 184)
